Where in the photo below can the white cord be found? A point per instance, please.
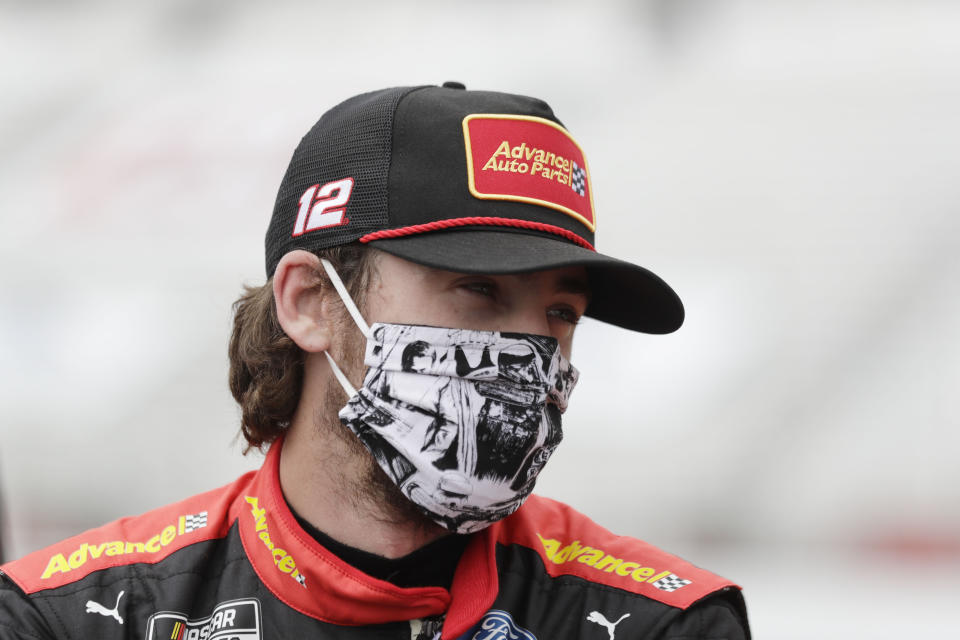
(345, 296)
(342, 379)
(354, 313)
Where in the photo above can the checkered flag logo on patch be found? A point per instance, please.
(301, 580)
(671, 582)
(195, 521)
(578, 179)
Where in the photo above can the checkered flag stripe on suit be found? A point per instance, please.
(671, 582)
(195, 521)
(578, 180)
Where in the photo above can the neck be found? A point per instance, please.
(331, 480)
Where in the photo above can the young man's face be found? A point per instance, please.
(546, 302)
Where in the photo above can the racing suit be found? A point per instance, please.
(233, 563)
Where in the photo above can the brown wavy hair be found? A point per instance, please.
(266, 366)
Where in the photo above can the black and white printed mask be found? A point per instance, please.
(462, 421)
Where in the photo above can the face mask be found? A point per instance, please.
(461, 421)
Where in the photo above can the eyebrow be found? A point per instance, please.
(576, 286)
(566, 284)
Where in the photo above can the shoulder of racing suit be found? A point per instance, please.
(570, 544)
(109, 581)
(582, 576)
(149, 538)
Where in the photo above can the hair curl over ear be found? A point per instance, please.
(266, 366)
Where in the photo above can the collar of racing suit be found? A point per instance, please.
(432, 565)
(306, 576)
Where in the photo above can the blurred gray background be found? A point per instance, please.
(789, 167)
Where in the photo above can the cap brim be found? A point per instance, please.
(622, 293)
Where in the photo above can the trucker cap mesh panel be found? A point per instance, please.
(352, 140)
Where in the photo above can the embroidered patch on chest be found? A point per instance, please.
(497, 625)
(234, 619)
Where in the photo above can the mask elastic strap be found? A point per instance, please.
(345, 296)
(357, 318)
(342, 379)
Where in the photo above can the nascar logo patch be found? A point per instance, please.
(528, 159)
(233, 620)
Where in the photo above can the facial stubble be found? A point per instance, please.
(362, 483)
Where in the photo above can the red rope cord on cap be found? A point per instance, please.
(439, 225)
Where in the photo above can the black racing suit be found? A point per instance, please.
(233, 563)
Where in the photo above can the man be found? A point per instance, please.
(407, 364)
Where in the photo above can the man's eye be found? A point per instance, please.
(482, 288)
(565, 314)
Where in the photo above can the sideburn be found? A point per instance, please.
(370, 489)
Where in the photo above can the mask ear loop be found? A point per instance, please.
(354, 313)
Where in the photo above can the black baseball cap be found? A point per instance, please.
(466, 181)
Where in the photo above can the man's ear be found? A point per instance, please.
(302, 310)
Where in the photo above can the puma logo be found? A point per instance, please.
(596, 616)
(96, 607)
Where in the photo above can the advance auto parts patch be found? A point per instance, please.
(528, 159)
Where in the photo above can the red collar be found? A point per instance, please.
(304, 575)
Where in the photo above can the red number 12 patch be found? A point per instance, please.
(322, 207)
